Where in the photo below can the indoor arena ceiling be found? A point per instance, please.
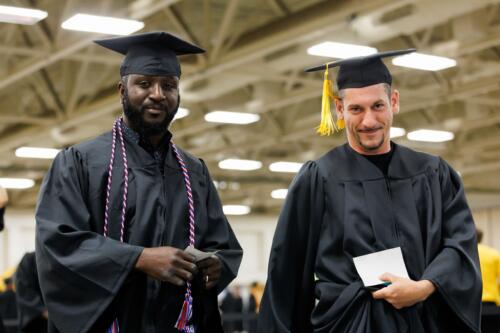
(57, 88)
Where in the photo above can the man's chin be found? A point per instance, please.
(370, 146)
(153, 127)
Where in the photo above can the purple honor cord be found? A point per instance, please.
(183, 322)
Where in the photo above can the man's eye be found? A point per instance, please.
(144, 84)
(169, 86)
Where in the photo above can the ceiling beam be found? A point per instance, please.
(27, 69)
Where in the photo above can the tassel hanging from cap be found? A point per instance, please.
(327, 125)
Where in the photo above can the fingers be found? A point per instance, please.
(175, 280)
(211, 269)
(380, 294)
(388, 277)
(181, 263)
(208, 262)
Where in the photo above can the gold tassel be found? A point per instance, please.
(327, 125)
(340, 124)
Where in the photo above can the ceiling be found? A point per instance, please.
(57, 88)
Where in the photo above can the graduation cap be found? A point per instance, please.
(151, 53)
(356, 72)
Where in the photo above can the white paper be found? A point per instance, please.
(373, 265)
(197, 254)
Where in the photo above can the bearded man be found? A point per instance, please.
(116, 213)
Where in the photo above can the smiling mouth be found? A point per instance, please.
(369, 131)
(155, 110)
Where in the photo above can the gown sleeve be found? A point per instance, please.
(455, 270)
(30, 303)
(220, 237)
(288, 298)
(80, 270)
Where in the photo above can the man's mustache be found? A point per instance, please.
(155, 106)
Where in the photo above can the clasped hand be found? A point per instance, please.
(175, 266)
(403, 292)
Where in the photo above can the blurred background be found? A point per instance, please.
(247, 107)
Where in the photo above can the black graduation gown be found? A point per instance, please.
(30, 305)
(87, 280)
(342, 206)
(2, 211)
(8, 310)
(2, 328)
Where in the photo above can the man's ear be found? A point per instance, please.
(395, 101)
(121, 88)
(339, 108)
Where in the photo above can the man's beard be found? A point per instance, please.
(134, 116)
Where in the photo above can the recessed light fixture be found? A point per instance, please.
(424, 62)
(285, 167)
(102, 24)
(17, 183)
(396, 132)
(236, 209)
(242, 165)
(19, 15)
(340, 50)
(279, 193)
(36, 152)
(427, 135)
(228, 117)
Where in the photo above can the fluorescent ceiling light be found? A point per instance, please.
(102, 24)
(227, 117)
(430, 135)
(396, 132)
(279, 193)
(424, 62)
(16, 183)
(20, 15)
(340, 50)
(236, 164)
(285, 166)
(236, 209)
(181, 113)
(36, 152)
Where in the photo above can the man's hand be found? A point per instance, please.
(167, 264)
(404, 292)
(4, 198)
(211, 269)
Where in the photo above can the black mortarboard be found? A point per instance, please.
(363, 71)
(356, 72)
(151, 53)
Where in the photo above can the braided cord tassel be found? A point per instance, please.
(185, 316)
(114, 328)
(125, 180)
(117, 127)
(110, 179)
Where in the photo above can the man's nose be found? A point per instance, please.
(157, 92)
(370, 119)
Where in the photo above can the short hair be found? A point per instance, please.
(124, 79)
(387, 87)
(479, 234)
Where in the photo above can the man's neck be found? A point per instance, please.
(384, 149)
(155, 140)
